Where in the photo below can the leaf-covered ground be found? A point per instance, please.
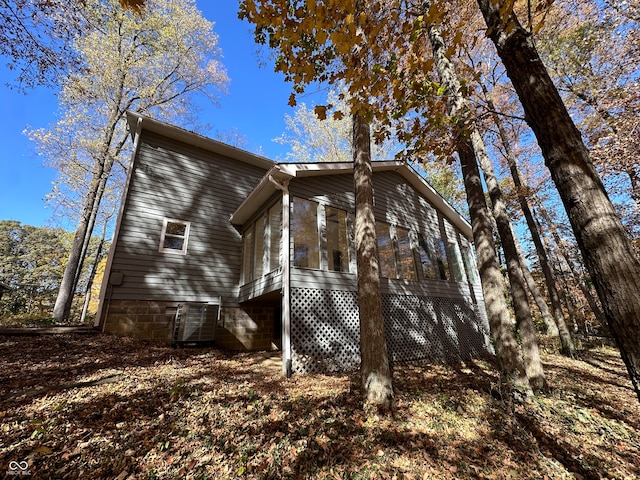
(102, 407)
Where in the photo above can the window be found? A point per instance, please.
(453, 252)
(386, 255)
(275, 236)
(304, 228)
(337, 240)
(441, 259)
(427, 258)
(405, 254)
(247, 257)
(174, 236)
(258, 252)
(261, 244)
(470, 265)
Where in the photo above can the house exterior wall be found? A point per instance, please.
(250, 327)
(427, 318)
(174, 180)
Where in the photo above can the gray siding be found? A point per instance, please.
(178, 181)
(396, 201)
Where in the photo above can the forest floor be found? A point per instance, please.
(83, 406)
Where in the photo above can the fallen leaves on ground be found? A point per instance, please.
(100, 406)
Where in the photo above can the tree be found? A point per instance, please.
(32, 264)
(36, 37)
(154, 63)
(332, 54)
(470, 148)
(606, 249)
(375, 371)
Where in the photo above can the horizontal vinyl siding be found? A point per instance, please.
(396, 202)
(323, 279)
(177, 181)
(332, 190)
(268, 283)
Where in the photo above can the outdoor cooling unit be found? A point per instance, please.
(196, 322)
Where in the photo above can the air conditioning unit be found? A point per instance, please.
(196, 322)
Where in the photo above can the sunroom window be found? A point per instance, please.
(386, 254)
(259, 251)
(453, 252)
(470, 265)
(441, 259)
(174, 236)
(405, 254)
(275, 236)
(306, 241)
(261, 244)
(337, 240)
(427, 258)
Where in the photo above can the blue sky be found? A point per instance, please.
(254, 107)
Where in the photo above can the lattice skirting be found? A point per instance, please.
(325, 333)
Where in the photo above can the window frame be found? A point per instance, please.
(163, 236)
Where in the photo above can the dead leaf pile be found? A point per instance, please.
(79, 406)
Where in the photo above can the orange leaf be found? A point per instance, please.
(321, 112)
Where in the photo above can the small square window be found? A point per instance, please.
(174, 237)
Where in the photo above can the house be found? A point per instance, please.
(213, 243)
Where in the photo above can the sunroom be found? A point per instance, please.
(426, 265)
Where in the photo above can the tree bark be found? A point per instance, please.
(606, 249)
(511, 365)
(558, 317)
(512, 369)
(518, 288)
(377, 384)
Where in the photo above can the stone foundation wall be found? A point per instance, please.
(239, 328)
(139, 319)
(246, 328)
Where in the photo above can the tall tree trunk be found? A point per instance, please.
(102, 170)
(62, 307)
(578, 277)
(547, 318)
(518, 288)
(512, 370)
(558, 317)
(492, 282)
(376, 374)
(605, 247)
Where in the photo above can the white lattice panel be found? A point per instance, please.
(325, 330)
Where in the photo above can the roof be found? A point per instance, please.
(284, 172)
(185, 136)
